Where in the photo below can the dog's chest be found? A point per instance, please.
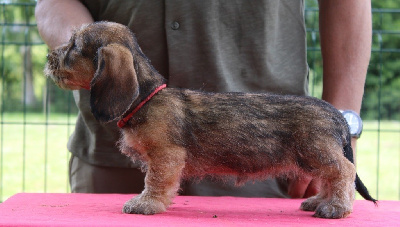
(135, 141)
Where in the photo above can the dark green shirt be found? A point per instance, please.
(248, 46)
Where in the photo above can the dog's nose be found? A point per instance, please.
(50, 55)
(52, 59)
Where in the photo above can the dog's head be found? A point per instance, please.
(105, 58)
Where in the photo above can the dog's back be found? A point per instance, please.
(259, 134)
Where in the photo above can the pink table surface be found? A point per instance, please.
(45, 209)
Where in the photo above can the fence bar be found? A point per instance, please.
(2, 109)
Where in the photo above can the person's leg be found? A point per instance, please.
(87, 178)
(271, 188)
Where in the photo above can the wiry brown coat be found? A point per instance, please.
(183, 133)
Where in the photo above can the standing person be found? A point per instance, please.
(219, 46)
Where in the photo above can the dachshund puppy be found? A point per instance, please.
(181, 133)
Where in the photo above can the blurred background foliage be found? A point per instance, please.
(382, 88)
(23, 86)
(23, 55)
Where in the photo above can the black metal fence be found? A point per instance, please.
(378, 149)
(36, 118)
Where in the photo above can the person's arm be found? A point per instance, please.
(346, 36)
(346, 33)
(57, 19)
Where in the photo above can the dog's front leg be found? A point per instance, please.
(164, 171)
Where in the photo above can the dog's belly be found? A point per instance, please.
(222, 158)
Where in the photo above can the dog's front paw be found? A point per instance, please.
(332, 210)
(143, 205)
(311, 203)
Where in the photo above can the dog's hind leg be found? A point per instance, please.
(161, 183)
(337, 196)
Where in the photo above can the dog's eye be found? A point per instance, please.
(73, 46)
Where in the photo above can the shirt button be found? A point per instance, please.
(175, 25)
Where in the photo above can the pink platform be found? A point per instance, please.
(40, 209)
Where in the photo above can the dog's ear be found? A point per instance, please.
(114, 87)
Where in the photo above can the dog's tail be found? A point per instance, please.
(360, 187)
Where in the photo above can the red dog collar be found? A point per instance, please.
(121, 123)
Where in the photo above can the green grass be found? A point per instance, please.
(378, 159)
(34, 157)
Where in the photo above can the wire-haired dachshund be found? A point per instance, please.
(182, 133)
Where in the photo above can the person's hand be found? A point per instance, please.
(56, 20)
(303, 187)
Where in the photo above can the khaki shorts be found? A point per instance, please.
(87, 178)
